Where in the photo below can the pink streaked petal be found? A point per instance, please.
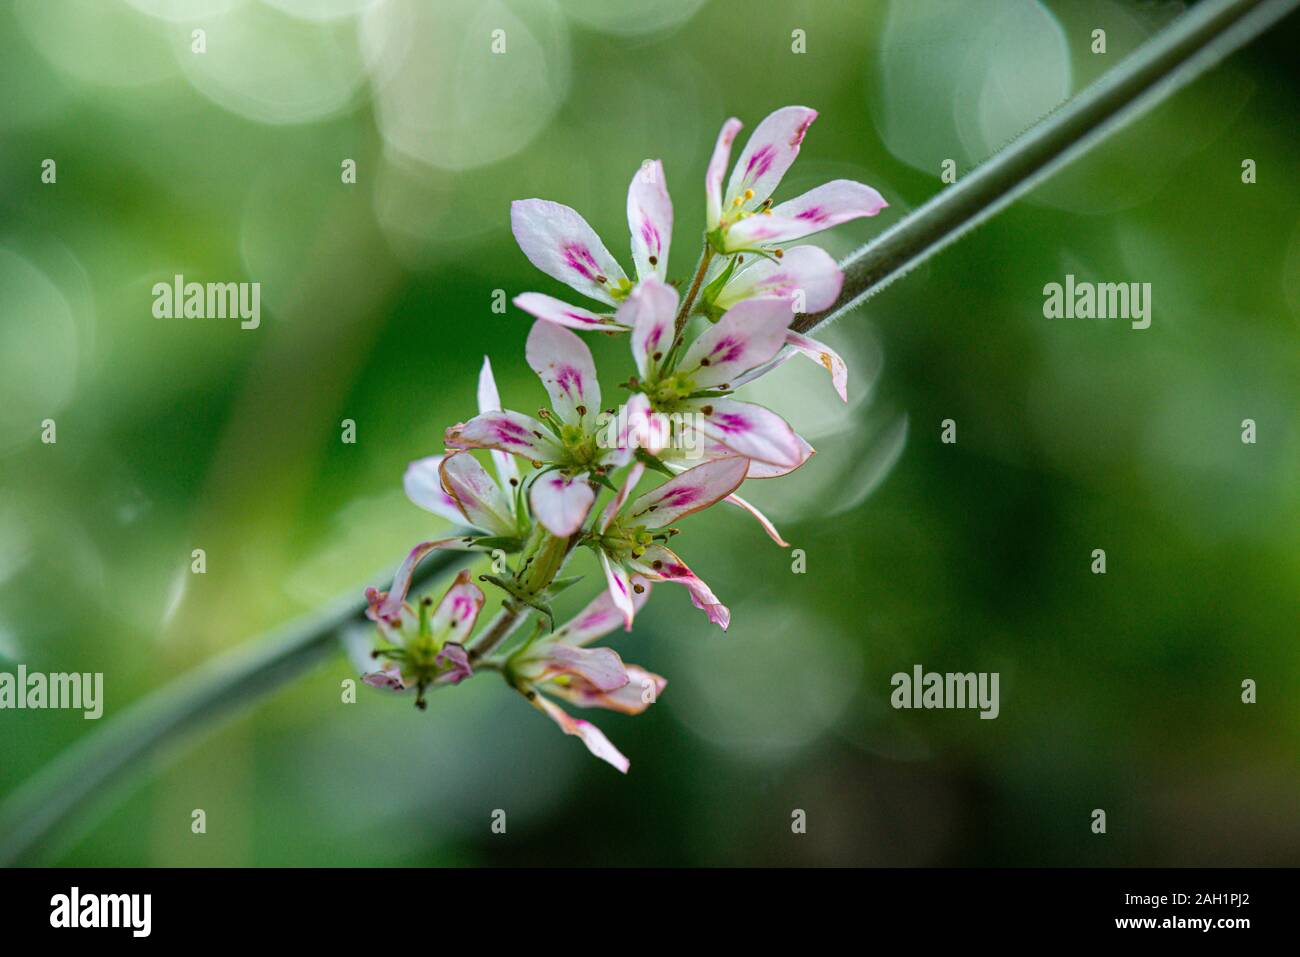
(564, 364)
(423, 485)
(650, 218)
(806, 274)
(601, 616)
(612, 507)
(824, 356)
(620, 590)
(489, 400)
(561, 244)
(389, 605)
(561, 503)
(828, 205)
(561, 313)
(718, 169)
(456, 613)
(510, 432)
(762, 519)
(455, 659)
(764, 470)
(750, 430)
(661, 564)
(772, 147)
(747, 336)
(693, 490)
(642, 690)
(591, 736)
(390, 679)
(481, 500)
(649, 310)
(600, 669)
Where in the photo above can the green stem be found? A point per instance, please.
(1190, 45)
(220, 688)
(688, 303)
(1195, 42)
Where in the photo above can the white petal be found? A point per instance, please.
(561, 313)
(561, 504)
(772, 147)
(762, 519)
(824, 356)
(564, 364)
(561, 244)
(747, 336)
(685, 494)
(662, 564)
(620, 590)
(454, 618)
(423, 485)
(828, 205)
(718, 169)
(480, 498)
(806, 275)
(650, 218)
(489, 400)
(591, 736)
(613, 505)
(508, 432)
(751, 430)
(650, 310)
(601, 616)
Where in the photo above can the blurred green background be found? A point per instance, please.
(1119, 692)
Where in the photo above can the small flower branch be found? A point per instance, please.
(688, 301)
(1187, 48)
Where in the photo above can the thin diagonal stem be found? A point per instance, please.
(1195, 42)
(214, 690)
(1192, 44)
(684, 313)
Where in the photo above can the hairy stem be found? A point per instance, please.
(1195, 42)
(219, 688)
(1192, 44)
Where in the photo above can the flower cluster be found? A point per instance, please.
(691, 353)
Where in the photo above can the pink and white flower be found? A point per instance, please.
(424, 646)
(571, 445)
(699, 383)
(464, 491)
(559, 242)
(561, 665)
(744, 218)
(630, 542)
